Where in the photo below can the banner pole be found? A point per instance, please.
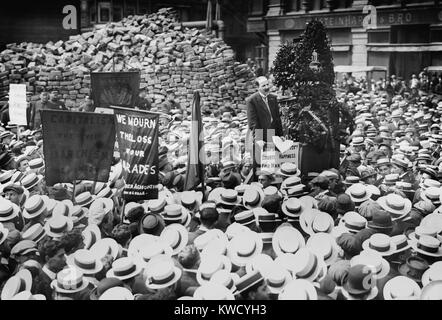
(122, 211)
(18, 133)
(73, 190)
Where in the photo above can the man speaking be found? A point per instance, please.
(263, 112)
(263, 119)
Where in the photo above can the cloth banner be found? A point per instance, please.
(77, 145)
(272, 158)
(137, 134)
(115, 88)
(17, 104)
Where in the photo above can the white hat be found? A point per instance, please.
(401, 288)
(299, 289)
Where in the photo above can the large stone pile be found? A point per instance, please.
(171, 58)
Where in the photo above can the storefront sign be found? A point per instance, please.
(355, 19)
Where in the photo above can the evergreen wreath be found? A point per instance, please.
(310, 90)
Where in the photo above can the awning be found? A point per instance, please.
(404, 47)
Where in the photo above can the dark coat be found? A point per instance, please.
(259, 117)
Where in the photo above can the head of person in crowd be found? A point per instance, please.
(13, 193)
(255, 287)
(71, 241)
(189, 257)
(22, 163)
(44, 97)
(383, 167)
(265, 178)
(208, 217)
(52, 254)
(122, 234)
(54, 96)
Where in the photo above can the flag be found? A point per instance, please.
(209, 16)
(196, 154)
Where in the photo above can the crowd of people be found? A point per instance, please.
(370, 229)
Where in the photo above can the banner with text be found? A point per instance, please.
(137, 134)
(17, 104)
(77, 145)
(272, 158)
(115, 88)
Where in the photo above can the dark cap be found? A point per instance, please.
(14, 187)
(151, 224)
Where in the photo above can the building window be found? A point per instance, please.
(93, 12)
(410, 34)
(117, 13)
(104, 12)
(293, 5)
(130, 11)
(379, 37)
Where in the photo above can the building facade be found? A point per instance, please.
(404, 36)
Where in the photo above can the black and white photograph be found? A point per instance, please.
(227, 150)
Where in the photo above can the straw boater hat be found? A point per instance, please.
(288, 169)
(434, 273)
(91, 234)
(228, 197)
(432, 291)
(175, 213)
(123, 269)
(397, 206)
(106, 246)
(308, 265)
(8, 210)
(225, 278)
(253, 197)
(84, 199)
(161, 273)
(306, 219)
(151, 250)
(213, 291)
(424, 230)
(176, 236)
(381, 243)
(30, 180)
(287, 239)
(322, 222)
(401, 242)
(324, 245)
(293, 207)
(63, 209)
(210, 264)
(3, 233)
(70, 280)
(428, 246)
(353, 222)
(277, 278)
(379, 266)
(35, 233)
(140, 241)
(56, 226)
(117, 293)
(261, 262)
(27, 295)
(401, 288)
(358, 193)
(21, 281)
(299, 289)
(243, 247)
(85, 261)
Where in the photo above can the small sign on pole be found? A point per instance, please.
(272, 158)
(17, 104)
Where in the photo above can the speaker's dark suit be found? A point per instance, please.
(259, 117)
